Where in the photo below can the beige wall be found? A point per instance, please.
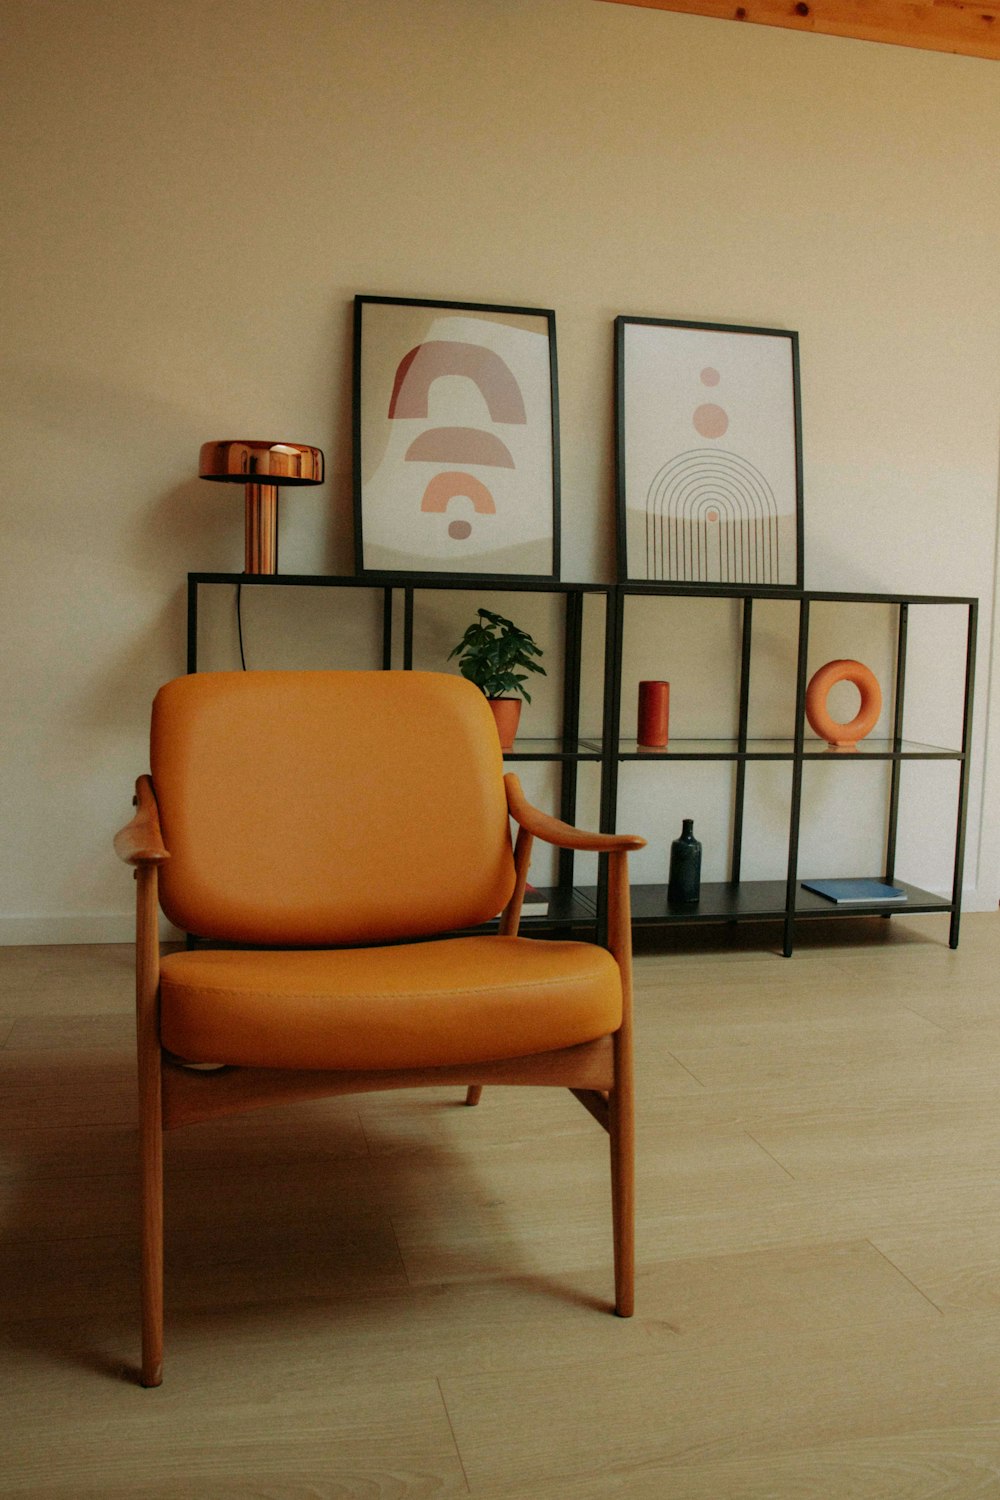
(195, 189)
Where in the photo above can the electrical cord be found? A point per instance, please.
(239, 622)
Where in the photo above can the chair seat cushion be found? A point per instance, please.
(421, 1005)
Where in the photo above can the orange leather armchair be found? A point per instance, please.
(339, 822)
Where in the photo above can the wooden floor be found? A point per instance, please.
(399, 1297)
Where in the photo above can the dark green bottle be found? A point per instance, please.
(684, 886)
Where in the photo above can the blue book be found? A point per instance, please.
(855, 892)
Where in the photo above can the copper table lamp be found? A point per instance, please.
(261, 467)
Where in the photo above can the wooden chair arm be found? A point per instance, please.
(141, 842)
(554, 831)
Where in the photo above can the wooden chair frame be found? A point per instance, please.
(598, 1073)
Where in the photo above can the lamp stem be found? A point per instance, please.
(261, 528)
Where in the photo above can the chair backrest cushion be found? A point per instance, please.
(308, 808)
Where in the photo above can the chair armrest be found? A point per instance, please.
(563, 835)
(141, 842)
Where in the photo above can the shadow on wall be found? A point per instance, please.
(194, 527)
(106, 453)
(108, 450)
(147, 655)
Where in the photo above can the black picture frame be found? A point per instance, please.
(693, 510)
(462, 480)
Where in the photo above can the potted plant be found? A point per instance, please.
(497, 656)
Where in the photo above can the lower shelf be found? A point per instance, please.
(567, 908)
(753, 899)
(575, 907)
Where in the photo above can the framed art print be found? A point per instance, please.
(456, 453)
(709, 454)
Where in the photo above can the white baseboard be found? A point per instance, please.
(107, 927)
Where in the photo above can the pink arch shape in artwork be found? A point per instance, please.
(423, 365)
(443, 488)
(460, 445)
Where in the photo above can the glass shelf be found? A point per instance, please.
(552, 749)
(784, 749)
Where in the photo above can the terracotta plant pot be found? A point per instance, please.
(507, 713)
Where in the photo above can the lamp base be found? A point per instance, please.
(261, 550)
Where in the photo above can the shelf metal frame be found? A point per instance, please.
(735, 900)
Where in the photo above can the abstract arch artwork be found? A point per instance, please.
(711, 517)
(444, 488)
(708, 454)
(418, 369)
(455, 439)
(460, 445)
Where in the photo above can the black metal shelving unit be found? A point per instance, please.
(786, 900)
(574, 907)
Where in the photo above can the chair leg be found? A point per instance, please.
(473, 1093)
(151, 1202)
(622, 1132)
(150, 1072)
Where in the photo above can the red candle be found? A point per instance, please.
(654, 714)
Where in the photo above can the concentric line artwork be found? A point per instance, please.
(711, 517)
(709, 490)
(455, 439)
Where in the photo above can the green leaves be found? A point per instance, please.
(491, 650)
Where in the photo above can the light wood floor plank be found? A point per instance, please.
(956, 1263)
(91, 1086)
(72, 1033)
(321, 1437)
(78, 979)
(940, 1464)
(741, 1403)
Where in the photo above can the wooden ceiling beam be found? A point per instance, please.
(934, 25)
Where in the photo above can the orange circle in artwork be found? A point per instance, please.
(843, 736)
(459, 530)
(710, 376)
(710, 420)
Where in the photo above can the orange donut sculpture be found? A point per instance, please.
(843, 736)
